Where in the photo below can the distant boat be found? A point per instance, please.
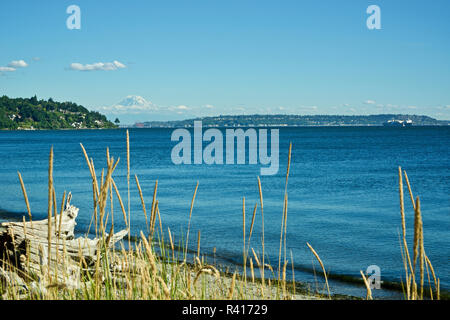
(398, 123)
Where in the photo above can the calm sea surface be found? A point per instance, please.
(343, 193)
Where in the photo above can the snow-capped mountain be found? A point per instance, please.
(134, 108)
(135, 103)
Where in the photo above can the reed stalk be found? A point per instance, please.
(128, 186)
(421, 246)
(243, 239)
(121, 203)
(152, 213)
(49, 211)
(366, 283)
(24, 191)
(189, 222)
(407, 262)
(323, 268)
(198, 244)
(142, 201)
(409, 189)
(262, 228)
(251, 227)
(284, 215)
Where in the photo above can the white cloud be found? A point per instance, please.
(7, 69)
(307, 108)
(178, 109)
(98, 66)
(209, 106)
(119, 64)
(17, 64)
(13, 65)
(124, 109)
(369, 102)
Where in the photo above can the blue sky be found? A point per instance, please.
(190, 58)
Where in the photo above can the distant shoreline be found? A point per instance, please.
(278, 126)
(233, 126)
(283, 121)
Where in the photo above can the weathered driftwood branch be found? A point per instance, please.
(24, 249)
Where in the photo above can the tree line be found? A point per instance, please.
(31, 113)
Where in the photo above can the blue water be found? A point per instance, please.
(343, 193)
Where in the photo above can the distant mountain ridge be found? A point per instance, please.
(280, 120)
(31, 113)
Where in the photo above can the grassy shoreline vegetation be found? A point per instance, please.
(42, 260)
(34, 114)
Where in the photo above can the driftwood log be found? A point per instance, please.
(24, 249)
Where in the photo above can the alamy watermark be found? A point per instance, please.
(235, 139)
(374, 20)
(74, 20)
(373, 273)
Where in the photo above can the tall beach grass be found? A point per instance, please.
(153, 267)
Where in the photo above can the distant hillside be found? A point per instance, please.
(23, 113)
(294, 121)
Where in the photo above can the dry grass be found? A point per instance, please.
(25, 195)
(322, 266)
(415, 290)
(366, 283)
(154, 269)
